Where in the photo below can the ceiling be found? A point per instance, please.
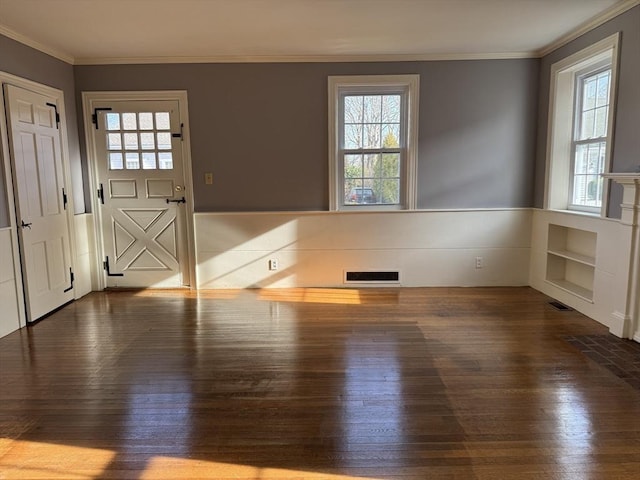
(132, 31)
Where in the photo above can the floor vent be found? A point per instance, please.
(384, 277)
(560, 306)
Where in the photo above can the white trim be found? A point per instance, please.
(614, 11)
(407, 57)
(561, 114)
(411, 84)
(88, 98)
(29, 42)
(58, 95)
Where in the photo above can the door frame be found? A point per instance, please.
(89, 98)
(9, 176)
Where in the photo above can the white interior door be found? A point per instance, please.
(39, 186)
(141, 186)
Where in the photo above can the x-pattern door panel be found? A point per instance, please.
(141, 186)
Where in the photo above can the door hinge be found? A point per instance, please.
(55, 108)
(179, 135)
(101, 194)
(72, 280)
(105, 266)
(64, 199)
(94, 117)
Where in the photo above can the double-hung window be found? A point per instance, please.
(589, 149)
(372, 134)
(581, 113)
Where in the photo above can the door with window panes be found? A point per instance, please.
(141, 191)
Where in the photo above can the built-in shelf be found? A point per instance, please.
(576, 257)
(571, 260)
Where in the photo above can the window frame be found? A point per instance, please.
(580, 79)
(564, 104)
(406, 85)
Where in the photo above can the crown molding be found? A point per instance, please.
(302, 58)
(29, 42)
(604, 17)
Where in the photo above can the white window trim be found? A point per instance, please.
(561, 122)
(342, 84)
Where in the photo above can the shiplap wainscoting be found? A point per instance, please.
(9, 295)
(428, 248)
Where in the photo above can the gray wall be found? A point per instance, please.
(261, 129)
(626, 144)
(22, 61)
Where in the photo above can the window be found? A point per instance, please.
(372, 134)
(580, 125)
(590, 137)
(135, 136)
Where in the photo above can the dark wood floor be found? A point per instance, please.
(308, 384)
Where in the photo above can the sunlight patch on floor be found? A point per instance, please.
(20, 459)
(340, 296)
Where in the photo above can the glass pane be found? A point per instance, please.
(146, 121)
(579, 190)
(165, 160)
(388, 191)
(113, 121)
(353, 192)
(162, 121)
(133, 161)
(390, 165)
(130, 141)
(370, 166)
(353, 166)
(372, 109)
(587, 124)
(391, 135)
(603, 89)
(129, 121)
(581, 160)
(149, 160)
(594, 190)
(164, 140)
(589, 94)
(114, 141)
(596, 158)
(115, 161)
(372, 135)
(147, 141)
(352, 136)
(601, 121)
(391, 109)
(353, 109)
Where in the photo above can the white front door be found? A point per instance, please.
(141, 189)
(36, 159)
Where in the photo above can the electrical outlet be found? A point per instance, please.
(479, 262)
(208, 178)
(273, 264)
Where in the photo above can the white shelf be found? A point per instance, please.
(571, 261)
(573, 256)
(572, 288)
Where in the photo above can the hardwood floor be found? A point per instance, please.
(440, 383)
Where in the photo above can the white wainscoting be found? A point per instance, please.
(608, 234)
(9, 295)
(85, 255)
(314, 249)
